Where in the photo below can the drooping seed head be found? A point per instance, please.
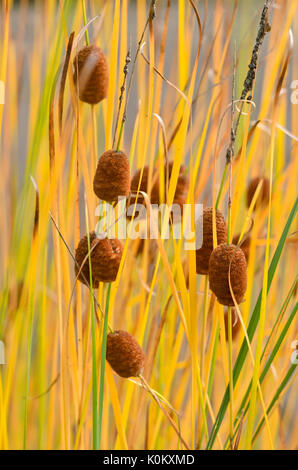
(203, 254)
(225, 259)
(263, 197)
(124, 354)
(90, 65)
(112, 177)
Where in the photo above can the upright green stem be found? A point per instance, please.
(103, 363)
(120, 135)
(85, 21)
(230, 339)
(221, 186)
(94, 362)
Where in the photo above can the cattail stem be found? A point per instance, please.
(155, 397)
(94, 143)
(103, 364)
(120, 134)
(230, 349)
(122, 90)
(94, 362)
(221, 186)
(85, 22)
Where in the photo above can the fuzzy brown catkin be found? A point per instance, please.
(90, 65)
(223, 258)
(82, 266)
(124, 354)
(106, 258)
(203, 253)
(112, 176)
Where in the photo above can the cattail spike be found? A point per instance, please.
(124, 354)
(91, 66)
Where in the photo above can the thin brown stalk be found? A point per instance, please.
(63, 80)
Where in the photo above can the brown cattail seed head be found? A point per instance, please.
(124, 354)
(203, 253)
(181, 187)
(263, 197)
(244, 245)
(106, 258)
(144, 184)
(112, 177)
(182, 184)
(235, 323)
(223, 259)
(135, 181)
(91, 65)
(80, 256)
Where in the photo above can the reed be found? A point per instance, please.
(142, 351)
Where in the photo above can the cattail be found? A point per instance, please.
(180, 192)
(91, 65)
(112, 177)
(105, 257)
(244, 245)
(181, 187)
(263, 197)
(124, 354)
(80, 256)
(154, 198)
(180, 195)
(235, 323)
(225, 258)
(133, 199)
(203, 253)
(182, 184)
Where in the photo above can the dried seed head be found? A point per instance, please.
(91, 65)
(244, 245)
(112, 177)
(106, 258)
(236, 325)
(223, 258)
(80, 256)
(263, 197)
(182, 184)
(180, 192)
(180, 195)
(124, 354)
(203, 253)
(144, 185)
